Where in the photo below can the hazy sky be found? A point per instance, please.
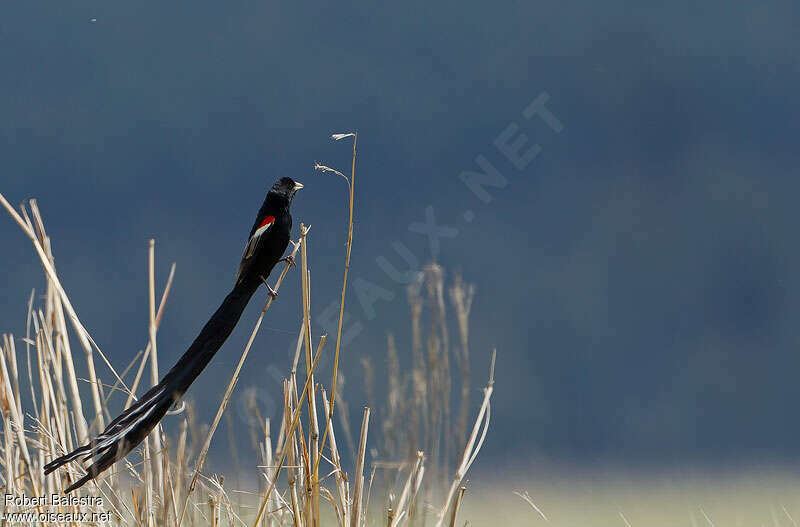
(638, 275)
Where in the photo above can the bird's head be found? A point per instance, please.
(285, 188)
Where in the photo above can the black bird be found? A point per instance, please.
(268, 240)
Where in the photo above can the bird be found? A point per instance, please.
(265, 246)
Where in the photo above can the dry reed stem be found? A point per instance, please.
(527, 497)
(290, 447)
(339, 475)
(16, 421)
(351, 188)
(152, 330)
(28, 342)
(472, 448)
(140, 371)
(456, 505)
(290, 431)
(405, 497)
(461, 296)
(313, 425)
(355, 518)
(436, 297)
(147, 470)
(369, 492)
(55, 304)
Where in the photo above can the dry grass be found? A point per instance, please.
(304, 482)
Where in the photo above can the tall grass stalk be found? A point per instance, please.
(351, 205)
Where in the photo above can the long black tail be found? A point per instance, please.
(125, 432)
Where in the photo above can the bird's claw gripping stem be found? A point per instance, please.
(289, 259)
(271, 292)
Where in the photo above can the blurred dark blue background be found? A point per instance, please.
(638, 277)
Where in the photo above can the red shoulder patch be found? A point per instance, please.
(267, 221)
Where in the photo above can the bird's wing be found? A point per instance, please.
(252, 243)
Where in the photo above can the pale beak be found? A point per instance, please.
(297, 186)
